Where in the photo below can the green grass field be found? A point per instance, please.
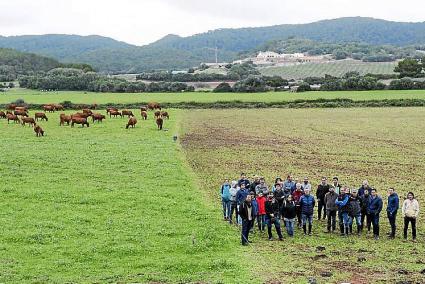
(381, 145)
(334, 68)
(38, 97)
(106, 204)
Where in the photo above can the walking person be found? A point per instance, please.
(307, 203)
(246, 213)
(261, 216)
(392, 208)
(272, 213)
(289, 214)
(297, 196)
(322, 189)
(410, 212)
(331, 208)
(225, 199)
(343, 208)
(374, 209)
(233, 203)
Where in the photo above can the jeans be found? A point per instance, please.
(233, 209)
(346, 219)
(408, 220)
(226, 208)
(246, 226)
(331, 214)
(261, 221)
(340, 222)
(307, 218)
(321, 206)
(392, 219)
(375, 224)
(276, 222)
(290, 223)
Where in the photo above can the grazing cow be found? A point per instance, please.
(93, 106)
(40, 115)
(143, 109)
(157, 114)
(114, 113)
(144, 115)
(159, 122)
(165, 114)
(38, 130)
(28, 120)
(131, 122)
(21, 113)
(2, 114)
(12, 117)
(64, 118)
(154, 105)
(87, 111)
(98, 117)
(127, 113)
(58, 107)
(79, 120)
(80, 114)
(49, 108)
(109, 109)
(11, 107)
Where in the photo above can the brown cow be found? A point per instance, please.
(131, 122)
(11, 107)
(28, 120)
(21, 113)
(64, 118)
(12, 117)
(2, 114)
(40, 115)
(58, 107)
(157, 114)
(87, 111)
(79, 120)
(114, 113)
(165, 114)
(49, 108)
(127, 113)
(38, 130)
(144, 115)
(154, 105)
(80, 114)
(159, 122)
(98, 117)
(93, 106)
(143, 109)
(109, 109)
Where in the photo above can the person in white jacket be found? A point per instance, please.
(410, 211)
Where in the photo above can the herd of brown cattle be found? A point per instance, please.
(14, 112)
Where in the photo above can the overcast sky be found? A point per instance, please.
(144, 21)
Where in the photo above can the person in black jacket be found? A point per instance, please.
(322, 189)
(246, 212)
(289, 213)
(272, 213)
(279, 196)
(364, 212)
(355, 211)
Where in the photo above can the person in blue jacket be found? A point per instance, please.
(374, 209)
(244, 180)
(343, 208)
(241, 194)
(225, 199)
(307, 203)
(392, 208)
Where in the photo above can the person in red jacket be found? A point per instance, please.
(296, 196)
(261, 217)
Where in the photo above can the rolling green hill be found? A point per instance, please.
(174, 52)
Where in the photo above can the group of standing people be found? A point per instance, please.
(292, 203)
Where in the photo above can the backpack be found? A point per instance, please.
(225, 195)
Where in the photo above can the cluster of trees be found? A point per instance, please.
(406, 84)
(352, 81)
(184, 77)
(77, 80)
(411, 67)
(252, 84)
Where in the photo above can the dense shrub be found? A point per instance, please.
(223, 88)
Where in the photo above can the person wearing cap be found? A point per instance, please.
(244, 180)
(364, 212)
(233, 203)
(272, 213)
(374, 209)
(355, 211)
(410, 212)
(262, 187)
(297, 196)
(331, 208)
(306, 184)
(336, 185)
(261, 216)
(322, 189)
(343, 209)
(289, 213)
(365, 187)
(392, 208)
(225, 199)
(307, 203)
(246, 213)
